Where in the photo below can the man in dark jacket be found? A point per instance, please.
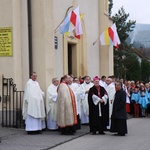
(98, 108)
(119, 116)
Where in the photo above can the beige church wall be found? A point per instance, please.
(43, 41)
(59, 14)
(106, 52)
(90, 20)
(17, 38)
(11, 67)
(24, 42)
(6, 63)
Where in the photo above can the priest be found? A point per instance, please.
(51, 98)
(98, 108)
(110, 88)
(66, 108)
(84, 99)
(76, 90)
(33, 106)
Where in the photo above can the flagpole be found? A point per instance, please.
(96, 41)
(62, 20)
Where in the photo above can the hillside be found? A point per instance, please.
(141, 35)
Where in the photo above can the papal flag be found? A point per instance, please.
(110, 36)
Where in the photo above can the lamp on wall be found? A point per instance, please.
(56, 42)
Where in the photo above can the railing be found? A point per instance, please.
(11, 104)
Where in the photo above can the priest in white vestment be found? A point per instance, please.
(110, 88)
(51, 98)
(33, 106)
(84, 102)
(102, 81)
(76, 90)
(66, 108)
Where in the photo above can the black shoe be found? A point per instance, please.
(102, 133)
(71, 133)
(67, 133)
(116, 134)
(39, 132)
(64, 133)
(93, 133)
(32, 132)
(119, 134)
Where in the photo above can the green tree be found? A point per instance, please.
(145, 70)
(126, 64)
(133, 67)
(110, 6)
(124, 26)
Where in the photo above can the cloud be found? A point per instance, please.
(138, 9)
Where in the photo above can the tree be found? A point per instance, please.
(124, 27)
(127, 65)
(125, 61)
(110, 6)
(132, 64)
(145, 70)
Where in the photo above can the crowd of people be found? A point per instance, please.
(102, 103)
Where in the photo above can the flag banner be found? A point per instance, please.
(64, 27)
(78, 26)
(116, 40)
(110, 36)
(72, 22)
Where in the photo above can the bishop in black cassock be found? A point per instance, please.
(99, 110)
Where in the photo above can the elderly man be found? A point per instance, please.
(98, 108)
(119, 116)
(66, 108)
(33, 106)
(51, 104)
(84, 99)
(111, 93)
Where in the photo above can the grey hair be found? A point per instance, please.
(121, 84)
(54, 79)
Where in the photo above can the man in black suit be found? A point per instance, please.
(119, 115)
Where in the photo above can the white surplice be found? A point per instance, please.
(111, 93)
(51, 98)
(84, 102)
(33, 106)
(76, 89)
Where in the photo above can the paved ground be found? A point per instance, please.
(138, 138)
(18, 139)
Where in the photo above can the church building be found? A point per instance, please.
(30, 41)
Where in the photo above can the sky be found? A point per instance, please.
(139, 10)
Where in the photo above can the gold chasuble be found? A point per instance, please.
(66, 106)
(73, 105)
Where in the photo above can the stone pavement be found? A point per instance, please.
(18, 139)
